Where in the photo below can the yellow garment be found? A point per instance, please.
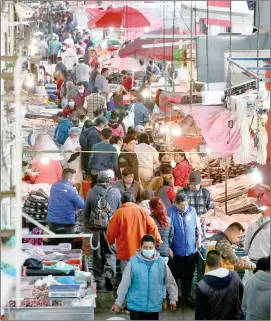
(224, 264)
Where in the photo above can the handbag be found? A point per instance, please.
(129, 120)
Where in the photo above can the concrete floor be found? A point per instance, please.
(105, 300)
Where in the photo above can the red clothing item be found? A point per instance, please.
(117, 129)
(171, 195)
(127, 226)
(58, 86)
(127, 83)
(80, 99)
(49, 173)
(181, 173)
(67, 111)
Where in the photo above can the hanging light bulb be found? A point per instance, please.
(146, 93)
(164, 129)
(208, 151)
(44, 161)
(176, 131)
(256, 176)
(30, 80)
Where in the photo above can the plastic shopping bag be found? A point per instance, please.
(247, 276)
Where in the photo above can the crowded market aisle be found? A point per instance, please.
(125, 201)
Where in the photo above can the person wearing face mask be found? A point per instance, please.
(143, 282)
(81, 95)
(63, 203)
(128, 184)
(185, 243)
(62, 128)
(72, 156)
(70, 107)
(82, 117)
(69, 57)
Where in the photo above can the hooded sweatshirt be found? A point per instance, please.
(256, 300)
(126, 284)
(116, 128)
(219, 296)
(181, 173)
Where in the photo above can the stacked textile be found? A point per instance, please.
(36, 205)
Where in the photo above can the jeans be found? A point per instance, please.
(135, 315)
(61, 229)
(104, 258)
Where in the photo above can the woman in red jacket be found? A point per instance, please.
(182, 170)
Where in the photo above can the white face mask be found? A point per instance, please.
(71, 104)
(148, 253)
(81, 91)
(75, 139)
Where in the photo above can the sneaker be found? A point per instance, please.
(165, 304)
(108, 280)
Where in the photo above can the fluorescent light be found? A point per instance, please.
(256, 176)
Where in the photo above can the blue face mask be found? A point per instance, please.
(148, 253)
(64, 102)
(71, 104)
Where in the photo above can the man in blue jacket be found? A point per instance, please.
(186, 240)
(62, 129)
(63, 202)
(143, 282)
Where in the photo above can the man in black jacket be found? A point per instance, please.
(219, 293)
(91, 137)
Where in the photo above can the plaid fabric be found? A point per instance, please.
(201, 200)
(94, 102)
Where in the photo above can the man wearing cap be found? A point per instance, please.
(199, 197)
(81, 73)
(104, 257)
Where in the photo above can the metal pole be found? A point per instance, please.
(226, 188)
(248, 72)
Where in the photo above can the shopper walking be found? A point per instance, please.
(127, 226)
(81, 95)
(81, 72)
(102, 201)
(127, 157)
(53, 49)
(114, 125)
(182, 170)
(186, 241)
(91, 137)
(94, 102)
(63, 204)
(101, 82)
(199, 197)
(141, 112)
(62, 129)
(69, 57)
(59, 65)
(220, 293)
(128, 184)
(256, 300)
(147, 157)
(104, 157)
(162, 190)
(143, 282)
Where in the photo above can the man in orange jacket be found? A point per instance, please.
(127, 226)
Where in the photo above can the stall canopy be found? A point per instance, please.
(125, 63)
(94, 12)
(161, 48)
(123, 17)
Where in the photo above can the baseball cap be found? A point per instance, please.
(140, 129)
(195, 178)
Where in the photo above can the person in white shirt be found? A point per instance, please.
(69, 41)
(43, 47)
(69, 57)
(81, 72)
(73, 158)
(147, 157)
(260, 245)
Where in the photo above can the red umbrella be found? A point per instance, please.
(94, 12)
(125, 17)
(163, 52)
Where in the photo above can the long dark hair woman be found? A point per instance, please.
(182, 170)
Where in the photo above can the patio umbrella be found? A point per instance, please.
(123, 17)
(160, 48)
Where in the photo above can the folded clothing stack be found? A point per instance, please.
(36, 205)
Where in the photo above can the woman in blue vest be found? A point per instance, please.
(143, 282)
(186, 241)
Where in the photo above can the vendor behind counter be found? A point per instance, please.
(223, 241)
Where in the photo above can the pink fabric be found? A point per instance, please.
(118, 131)
(219, 137)
(49, 173)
